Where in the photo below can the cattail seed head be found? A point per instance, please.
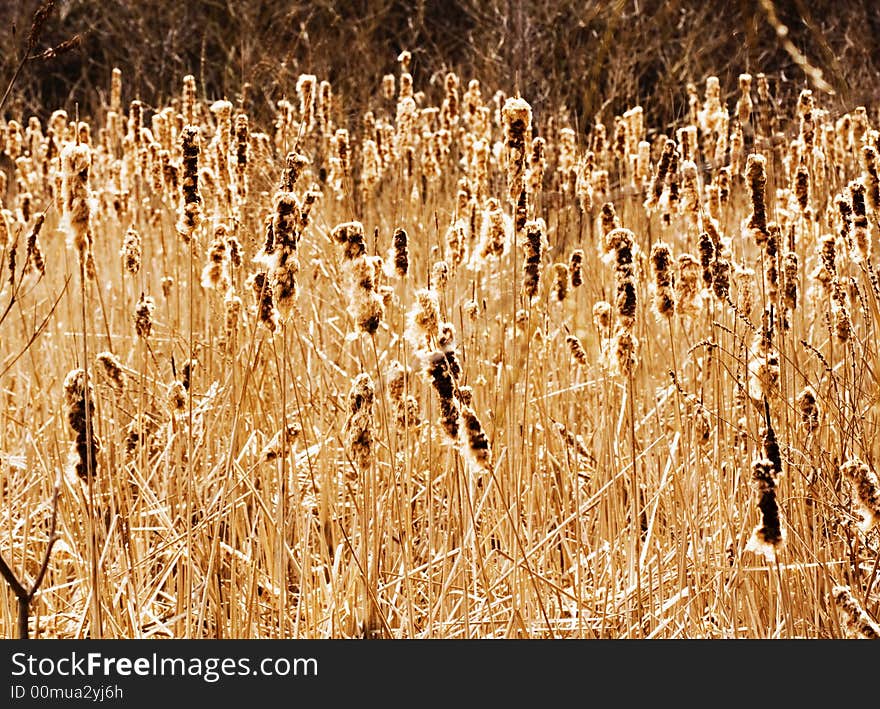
(756, 178)
(262, 290)
(404, 406)
(584, 181)
(655, 190)
(456, 241)
(188, 99)
(624, 351)
(190, 213)
(110, 366)
(187, 371)
(537, 164)
(626, 300)
(861, 234)
(858, 624)
(690, 193)
(575, 265)
(865, 492)
(233, 246)
(306, 86)
(78, 396)
(215, 273)
(769, 536)
(764, 375)
(608, 222)
(474, 445)
(560, 281)
(283, 264)
(285, 220)
(143, 316)
(404, 59)
(351, 236)
(366, 305)
(744, 104)
(34, 255)
(242, 155)
(138, 433)
(423, 320)
(808, 409)
(76, 162)
(533, 246)
(790, 271)
(400, 252)
(446, 344)
(116, 89)
(872, 176)
(231, 316)
(828, 258)
(707, 256)
(131, 251)
(494, 232)
(602, 312)
(177, 397)
(295, 166)
(439, 276)
(840, 311)
(517, 118)
(802, 185)
(388, 86)
(721, 279)
(661, 266)
(578, 353)
(688, 300)
(438, 371)
(324, 108)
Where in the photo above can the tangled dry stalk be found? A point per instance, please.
(454, 370)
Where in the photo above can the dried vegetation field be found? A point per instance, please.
(448, 370)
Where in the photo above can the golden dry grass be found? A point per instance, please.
(418, 448)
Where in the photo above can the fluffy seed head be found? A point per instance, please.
(769, 536)
(438, 372)
(360, 427)
(756, 178)
(143, 316)
(474, 446)
(517, 118)
(190, 213)
(808, 408)
(111, 367)
(575, 265)
(865, 491)
(400, 252)
(661, 267)
(578, 353)
(131, 251)
(858, 624)
(79, 404)
(76, 162)
(533, 245)
(560, 281)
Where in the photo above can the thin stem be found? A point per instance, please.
(90, 463)
(187, 584)
(634, 483)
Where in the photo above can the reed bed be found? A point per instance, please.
(441, 367)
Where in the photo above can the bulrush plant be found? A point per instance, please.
(857, 623)
(76, 165)
(451, 364)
